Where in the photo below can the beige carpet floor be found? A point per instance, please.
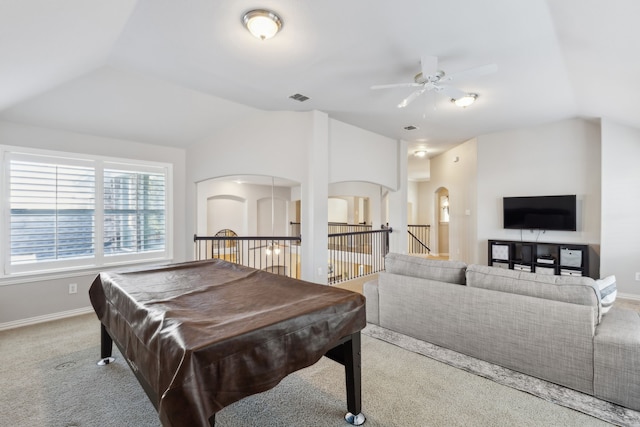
(49, 377)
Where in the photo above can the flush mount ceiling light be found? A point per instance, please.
(420, 153)
(262, 23)
(466, 100)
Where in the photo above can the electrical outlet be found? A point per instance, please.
(73, 288)
(638, 276)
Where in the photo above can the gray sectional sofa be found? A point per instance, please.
(550, 327)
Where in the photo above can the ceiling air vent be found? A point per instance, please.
(299, 97)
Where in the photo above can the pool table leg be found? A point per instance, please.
(352, 369)
(348, 353)
(106, 347)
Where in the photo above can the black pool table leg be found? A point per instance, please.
(348, 354)
(352, 369)
(106, 347)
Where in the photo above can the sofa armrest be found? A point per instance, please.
(617, 358)
(370, 291)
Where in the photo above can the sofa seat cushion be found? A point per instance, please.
(413, 266)
(570, 289)
(616, 358)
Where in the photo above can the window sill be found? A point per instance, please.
(40, 276)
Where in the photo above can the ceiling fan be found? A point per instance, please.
(432, 79)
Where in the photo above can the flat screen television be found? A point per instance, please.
(540, 212)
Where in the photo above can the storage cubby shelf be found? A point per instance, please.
(567, 259)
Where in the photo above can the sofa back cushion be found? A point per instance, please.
(413, 266)
(571, 289)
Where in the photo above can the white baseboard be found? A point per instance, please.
(634, 297)
(45, 318)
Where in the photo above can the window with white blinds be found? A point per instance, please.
(52, 211)
(134, 212)
(65, 212)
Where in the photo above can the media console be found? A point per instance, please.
(567, 259)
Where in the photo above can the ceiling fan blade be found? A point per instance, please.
(429, 66)
(391, 86)
(450, 91)
(409, 99)
(472, 72)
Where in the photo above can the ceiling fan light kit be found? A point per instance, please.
(262, 23)
(466, 100)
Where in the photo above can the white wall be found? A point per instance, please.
(45, 297)
(359, 155)
(455, 170)
(413, 203)
(225, 212)
(338, 210)
(556, 158)
(273, 216)
(361, 189)
(620, 233)
(553, 159)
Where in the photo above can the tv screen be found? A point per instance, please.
(540, 212)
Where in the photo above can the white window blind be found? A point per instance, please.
(67, 212)
(52, 211)
(134, 212)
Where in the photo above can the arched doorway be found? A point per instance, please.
(442, 218)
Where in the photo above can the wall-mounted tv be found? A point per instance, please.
(540, 212)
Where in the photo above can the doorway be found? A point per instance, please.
(443, 217)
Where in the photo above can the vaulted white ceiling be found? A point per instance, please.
(170, 72)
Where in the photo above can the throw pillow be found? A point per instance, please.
(608, 292)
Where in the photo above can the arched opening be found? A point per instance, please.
(442, 215)
(246, 220)
(243, 203)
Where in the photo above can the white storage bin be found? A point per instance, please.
(500, 264)
(546, 270)
(566, 272)
(521, 267)
(570, 257)
(500, 252)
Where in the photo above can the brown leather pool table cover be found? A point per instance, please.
(206, 334)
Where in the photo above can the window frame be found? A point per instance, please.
(99, 259)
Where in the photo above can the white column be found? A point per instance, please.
(398, 204)
(314, 209)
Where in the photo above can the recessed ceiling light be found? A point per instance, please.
(262, 23)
